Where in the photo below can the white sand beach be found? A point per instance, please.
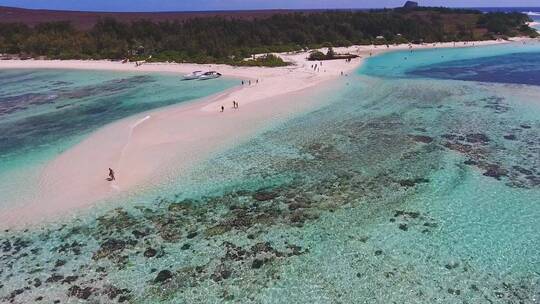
(148, 147)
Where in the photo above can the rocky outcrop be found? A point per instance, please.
(410, 4)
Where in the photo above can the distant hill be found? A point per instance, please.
(410, 4)
(86, 20)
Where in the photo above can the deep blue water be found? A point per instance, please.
(518, 68)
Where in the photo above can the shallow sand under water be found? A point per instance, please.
(398, 191)
(145, 149)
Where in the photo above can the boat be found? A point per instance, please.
(209, 75)
(193, 75)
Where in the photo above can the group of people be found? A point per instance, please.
(234, 103)
(249, 82)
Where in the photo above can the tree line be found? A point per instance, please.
(224, 40)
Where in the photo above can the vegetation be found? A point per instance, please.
(317, 56)
(220, 40)
(330, 55)
(268, 60)
(506, 24)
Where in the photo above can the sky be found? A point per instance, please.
(198, 5)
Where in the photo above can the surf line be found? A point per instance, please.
(132, 128)
(140, 121)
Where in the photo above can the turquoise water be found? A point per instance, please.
(43, 112)
(398, 64)
(400, 189)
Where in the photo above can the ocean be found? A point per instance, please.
(418, 181)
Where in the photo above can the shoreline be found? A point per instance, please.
(147, 147)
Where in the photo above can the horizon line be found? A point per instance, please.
(256, 9)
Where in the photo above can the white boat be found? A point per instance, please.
(209, 75)
(193, 75)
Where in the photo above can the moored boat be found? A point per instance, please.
(193, 75)
(209, 75)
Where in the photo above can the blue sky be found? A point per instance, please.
(181, 5)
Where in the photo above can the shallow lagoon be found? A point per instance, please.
(401, 189)
(44, 112)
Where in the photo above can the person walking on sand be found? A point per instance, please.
(111, 175)
(222, 108)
